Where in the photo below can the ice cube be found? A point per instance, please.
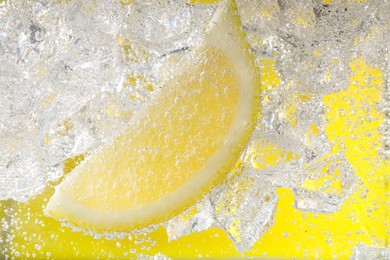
(366, 252)
(21, 172)
(163, 27)
(245, 208)
(320, 183)
(373, 45)
(294, 120)
(195, 219)
(328, 182)
(328, 63)
(285, 175)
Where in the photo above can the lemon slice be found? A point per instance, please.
(184, 140)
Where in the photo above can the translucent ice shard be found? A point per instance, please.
(157, 31)
(320, 183)
(245, 208)
(287, 175)
(195, 219)
(373, 45)
(21, 174)
(328, 182)
(328, 66)
(375, 253)
(294, 120)
(165, 26)
(157, 256)
(272, 163)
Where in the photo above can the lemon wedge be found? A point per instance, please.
(177, 147)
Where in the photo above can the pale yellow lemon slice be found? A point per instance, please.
(179, 145)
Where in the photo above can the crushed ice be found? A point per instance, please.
(67, 72)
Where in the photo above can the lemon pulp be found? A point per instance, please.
(179, 145)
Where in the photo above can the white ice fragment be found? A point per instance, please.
(165, 27)
(245, 208)
(293, 130)
(374, 253)
(158, 256)
(328, 64)
(320, 183)
(196, 219)
(55, 172)
(20, 174)
(286, 175)
(328, 182)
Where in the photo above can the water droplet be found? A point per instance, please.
(38, 36)
(342, 113)
(363, 194)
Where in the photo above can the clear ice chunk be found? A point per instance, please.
(157, 256)
(320, 183)
(196, 219)
(164, 29)
(328, 182)
(295, 124)
(373, 45)
(286, 175)
(321, 189)
(328, 63)
(374, 253)
(167, 26)
(245, 208)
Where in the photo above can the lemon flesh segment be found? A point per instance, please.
(184, 140)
